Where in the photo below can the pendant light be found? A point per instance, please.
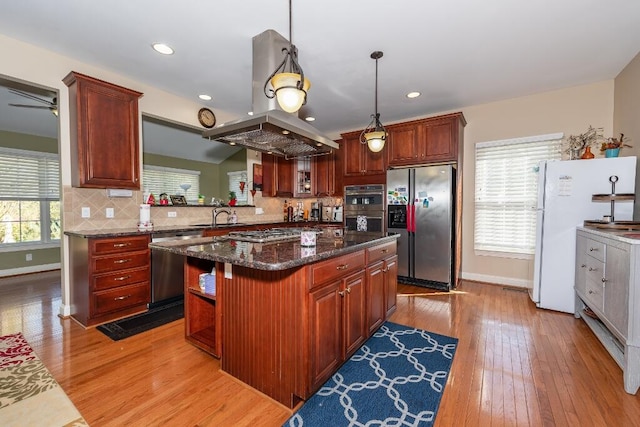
(374, 135)
(288, 83)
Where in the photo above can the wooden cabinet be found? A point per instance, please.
(202, 314)
(359, 161)
(336, 315)
(277, 176)
(327, 175)
(105, 151)
(382, 283)
(608, 282)
(431, 140)
(110, 278)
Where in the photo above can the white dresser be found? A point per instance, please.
(608, 282)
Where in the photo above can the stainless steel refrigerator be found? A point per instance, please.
(420, 207)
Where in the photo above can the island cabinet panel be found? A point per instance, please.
(104, 133)
(376, 307)
(263, 330)
(110, 278)
(325, 314)
(391, 283)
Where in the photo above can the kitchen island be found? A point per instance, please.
(285, 317)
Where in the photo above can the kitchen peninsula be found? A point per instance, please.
(285, 317)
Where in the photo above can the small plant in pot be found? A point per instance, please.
(611, 146)
(232, 198)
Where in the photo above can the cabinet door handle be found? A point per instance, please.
(604, 280)
(121, 298)
(593, 249)
(583, 265)
(121, 245)
(122, 278)
(348, 290)
(593, 269)
(590, 292)
(384, 251)
(122, 261)
(342, 267)
(341, 293)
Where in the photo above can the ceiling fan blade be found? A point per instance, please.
(30, 96)
(31, 106)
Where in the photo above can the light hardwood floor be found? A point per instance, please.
(515, 365)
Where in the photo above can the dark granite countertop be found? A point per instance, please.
(267, 256)
(133, 231)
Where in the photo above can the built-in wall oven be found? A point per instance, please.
(364, 210)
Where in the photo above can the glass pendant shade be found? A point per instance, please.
(375, 140)
(285, 86)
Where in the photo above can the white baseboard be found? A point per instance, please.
(30, 269)
(498, 280)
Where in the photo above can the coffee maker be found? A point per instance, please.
(316, 210)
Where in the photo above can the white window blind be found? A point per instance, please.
(159, 179)
(506, 192)
(29, 175)
(234, 185)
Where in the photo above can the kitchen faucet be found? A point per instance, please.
(218, 211)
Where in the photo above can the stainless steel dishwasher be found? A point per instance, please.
(167, 269)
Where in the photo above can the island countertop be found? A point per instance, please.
(267, 256)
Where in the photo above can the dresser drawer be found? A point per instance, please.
(120, 278)
(375, 253)
(120, 298)
(595, 249)
(121, 261)
(118, 244)
(336, 267)
(594, 294)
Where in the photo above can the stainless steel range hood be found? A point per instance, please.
(270, 129)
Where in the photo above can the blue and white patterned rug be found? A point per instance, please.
(396, 379)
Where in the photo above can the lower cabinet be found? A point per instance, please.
(607, 282)
(110, 278)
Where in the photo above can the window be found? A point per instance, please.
(506, 192)
(159, 179)
(241, 190)
(29, 198)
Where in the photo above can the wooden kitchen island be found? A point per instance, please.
(285, 317)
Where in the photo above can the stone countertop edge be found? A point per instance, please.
(615, 234)
(270, 256)
(133, 231)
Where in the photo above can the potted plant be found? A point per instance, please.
(612, 145)
(232, 198)
(583, 141)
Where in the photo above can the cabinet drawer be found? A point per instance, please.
(119, 244)
(595, 249)
(380, 251)
(594, 294)
(336, 267)
(120, 278)
(120, 298)
(121, 261)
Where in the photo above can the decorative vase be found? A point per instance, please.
(574, 154)
(587, 153)
(232, 202)
(612, 152)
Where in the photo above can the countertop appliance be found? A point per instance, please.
(271, 235)
(420, 208)
(364, 210)
(167, 269)
(316, 210)
(565, 190)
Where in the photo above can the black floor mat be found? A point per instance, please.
(153, 318)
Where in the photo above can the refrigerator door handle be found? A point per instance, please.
(413, 218)
(409, 218)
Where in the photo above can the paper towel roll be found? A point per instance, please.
(145, 214)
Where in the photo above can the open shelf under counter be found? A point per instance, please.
(203, 316)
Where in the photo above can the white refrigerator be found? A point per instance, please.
(565, 189)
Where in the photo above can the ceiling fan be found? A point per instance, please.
(50, 105)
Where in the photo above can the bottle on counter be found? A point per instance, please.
(285, 212)
(290, 212)
(233, 218)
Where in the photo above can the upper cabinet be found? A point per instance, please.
(105, 148)
(327, 175)
(431, 140)
(277, 176)
(358, 160)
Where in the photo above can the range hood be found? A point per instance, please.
(270, 129)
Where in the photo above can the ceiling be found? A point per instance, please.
(456, 53)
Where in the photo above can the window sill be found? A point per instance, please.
(511, 255)
(17, 247)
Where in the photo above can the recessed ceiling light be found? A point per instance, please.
(162, 48)
(250, 113)
(205, 97)
(285, 132)
(413, 94)
(232, 143)
(310, 119)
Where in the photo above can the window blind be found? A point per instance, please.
(160, 179)
(234, 185)
(29, 175)
(506, 191)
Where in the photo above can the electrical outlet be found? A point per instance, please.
(259, 211)
(109, 212)
(172, 214)
(29, 257)
(86, 212)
